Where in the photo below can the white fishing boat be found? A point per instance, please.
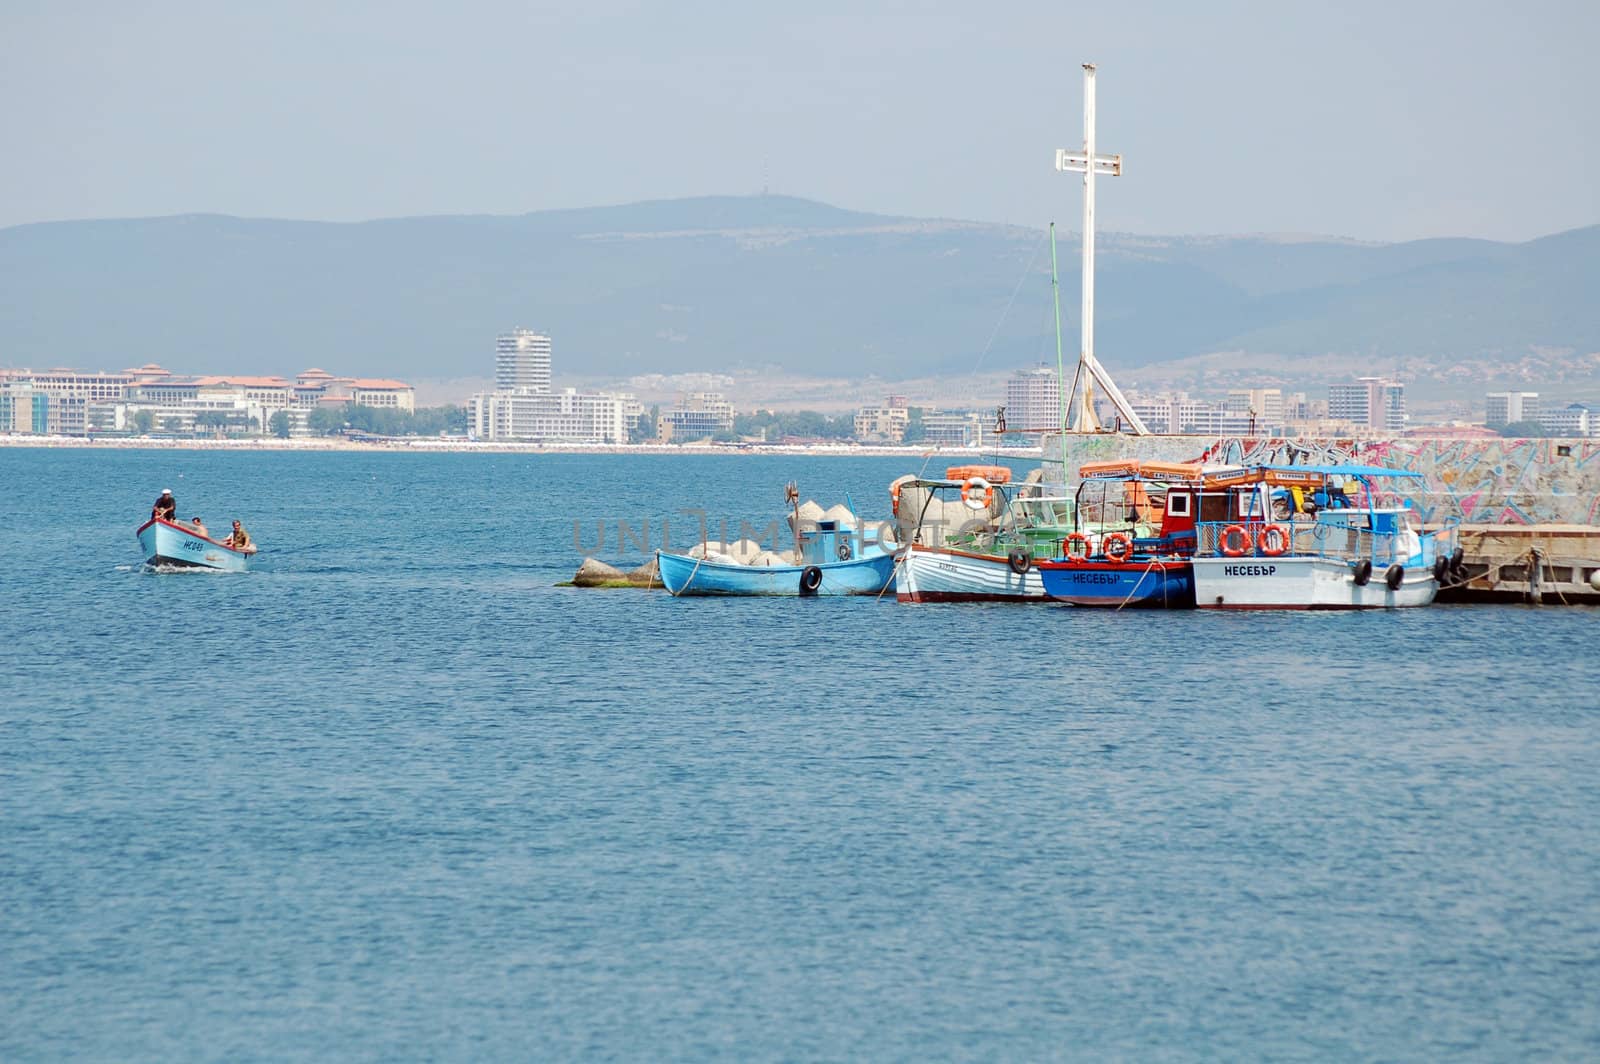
(944, 574)
(1313, 538)
(974, 536)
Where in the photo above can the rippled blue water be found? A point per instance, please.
(395, 795)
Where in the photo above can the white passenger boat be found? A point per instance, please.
(1313, 537)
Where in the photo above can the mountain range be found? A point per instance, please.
(758, 282)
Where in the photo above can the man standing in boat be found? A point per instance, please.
(166, 507)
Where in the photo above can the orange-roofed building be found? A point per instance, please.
(272, 393)
(383, 394)
(148, 373)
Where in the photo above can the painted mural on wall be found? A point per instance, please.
(1497, 481)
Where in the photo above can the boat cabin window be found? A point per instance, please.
(1178, 504)
(1249, 502)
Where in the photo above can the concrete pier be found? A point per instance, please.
(1529, 510)
(1548, 564)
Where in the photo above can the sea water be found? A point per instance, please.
(396, 795)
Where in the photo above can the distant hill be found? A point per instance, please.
(714, 283)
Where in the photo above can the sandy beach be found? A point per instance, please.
(427, 444)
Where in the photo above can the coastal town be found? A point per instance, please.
(525, 407)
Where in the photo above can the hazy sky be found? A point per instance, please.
(1383, 121)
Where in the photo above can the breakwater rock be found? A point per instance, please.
(595, 573)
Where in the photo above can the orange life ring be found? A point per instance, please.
(1117, 547)
(1227, 543)
(1273, 540)
(973, 485)
(894, 499)
(1079, 539)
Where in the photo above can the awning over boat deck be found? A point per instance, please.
(1345, 470)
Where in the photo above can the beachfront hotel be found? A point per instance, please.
(1373, 402)
(523, 407)
(883, 424)
(1033, 401)
(696, 416)
(522, 362)
(76, 403)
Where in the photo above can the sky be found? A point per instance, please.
(1375, 121)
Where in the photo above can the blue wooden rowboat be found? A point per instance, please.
(830, 565)
(167, 544)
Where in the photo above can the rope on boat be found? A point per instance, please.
(894, 576)
(1490, 565)
(1138, 584)
(689, 582)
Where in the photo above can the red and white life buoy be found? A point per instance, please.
(1235, 541)
(1117, 547)
(1273, 540)
(977, 494)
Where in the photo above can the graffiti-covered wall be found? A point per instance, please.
(1496, 481)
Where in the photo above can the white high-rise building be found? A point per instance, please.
(1376, 402)
(522, 362)
(568, 416)
(1572, 420)
(1507, 408)
(524, 407)
(1033, 401)
(1262, 407)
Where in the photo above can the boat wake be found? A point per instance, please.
(170, 569)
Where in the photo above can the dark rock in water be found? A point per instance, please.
(597, 574)
(647, 575)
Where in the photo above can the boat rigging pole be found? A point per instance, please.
(1055, 296)
(1089, 164)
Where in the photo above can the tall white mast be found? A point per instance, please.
(1084, 418)
(1088, 163)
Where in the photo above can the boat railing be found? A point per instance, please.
(1316, 539)
(1041, 509)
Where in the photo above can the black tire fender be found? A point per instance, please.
(810, 580)
(1020, 561)
(1363, 572)
(1395, 576)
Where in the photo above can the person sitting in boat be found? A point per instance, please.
(166, 507)
(197, 525)
(238, 539)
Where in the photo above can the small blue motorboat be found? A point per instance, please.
(169, 544)
(834, 560)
